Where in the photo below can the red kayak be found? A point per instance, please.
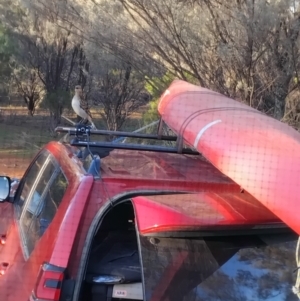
(256, 151)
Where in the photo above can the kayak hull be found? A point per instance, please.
(256, 151)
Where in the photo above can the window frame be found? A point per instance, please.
(20, 211)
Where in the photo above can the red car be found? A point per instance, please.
(137, 222)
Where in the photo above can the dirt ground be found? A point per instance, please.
(21, 136)
(13, 167)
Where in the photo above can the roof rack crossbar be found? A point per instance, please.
(153, 148)
(73, 131)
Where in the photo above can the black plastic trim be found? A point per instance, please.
(151, 148)
(52, 283)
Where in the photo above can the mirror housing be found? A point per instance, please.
(5, 185)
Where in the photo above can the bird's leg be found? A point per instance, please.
(85, 121)
(91, 122)
(79, 122)
(93, 125)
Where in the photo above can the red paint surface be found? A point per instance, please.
(204, 210)
(212, 199)
(56, 243)
(256, 151)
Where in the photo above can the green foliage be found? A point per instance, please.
(57, 101)
(6, 51)
(156, 86)
(6, 44)
(151, 114)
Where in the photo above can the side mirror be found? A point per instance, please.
(5, 183)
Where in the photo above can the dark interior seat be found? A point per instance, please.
(117, 255)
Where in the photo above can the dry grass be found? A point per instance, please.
(21, 136)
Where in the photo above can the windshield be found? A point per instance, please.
(236, 268)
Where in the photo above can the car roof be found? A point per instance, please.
(210, 198)
(204, 208)
(160, 166)
(132, 164)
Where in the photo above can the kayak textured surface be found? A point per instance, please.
(258, 152)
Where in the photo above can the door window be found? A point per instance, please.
(30, 178)
(42, 192)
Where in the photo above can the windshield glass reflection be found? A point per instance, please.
(195, 269)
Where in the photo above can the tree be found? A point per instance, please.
(119, 93)
(51, 57)
(6, 51)
(244, 49)
(263, 273)
(155, 87)
(60, 56)
(29, 87)
(262, 49)
(248, 50)
(56, 101)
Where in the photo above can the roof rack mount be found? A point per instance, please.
(82, 135)
(88, 131)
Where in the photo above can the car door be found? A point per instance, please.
(38, 199)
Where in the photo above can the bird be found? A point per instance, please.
(80, 106)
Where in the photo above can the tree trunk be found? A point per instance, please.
(280, 93)
(55, 119)
(279, 106)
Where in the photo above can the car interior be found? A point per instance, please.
(113, 271)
